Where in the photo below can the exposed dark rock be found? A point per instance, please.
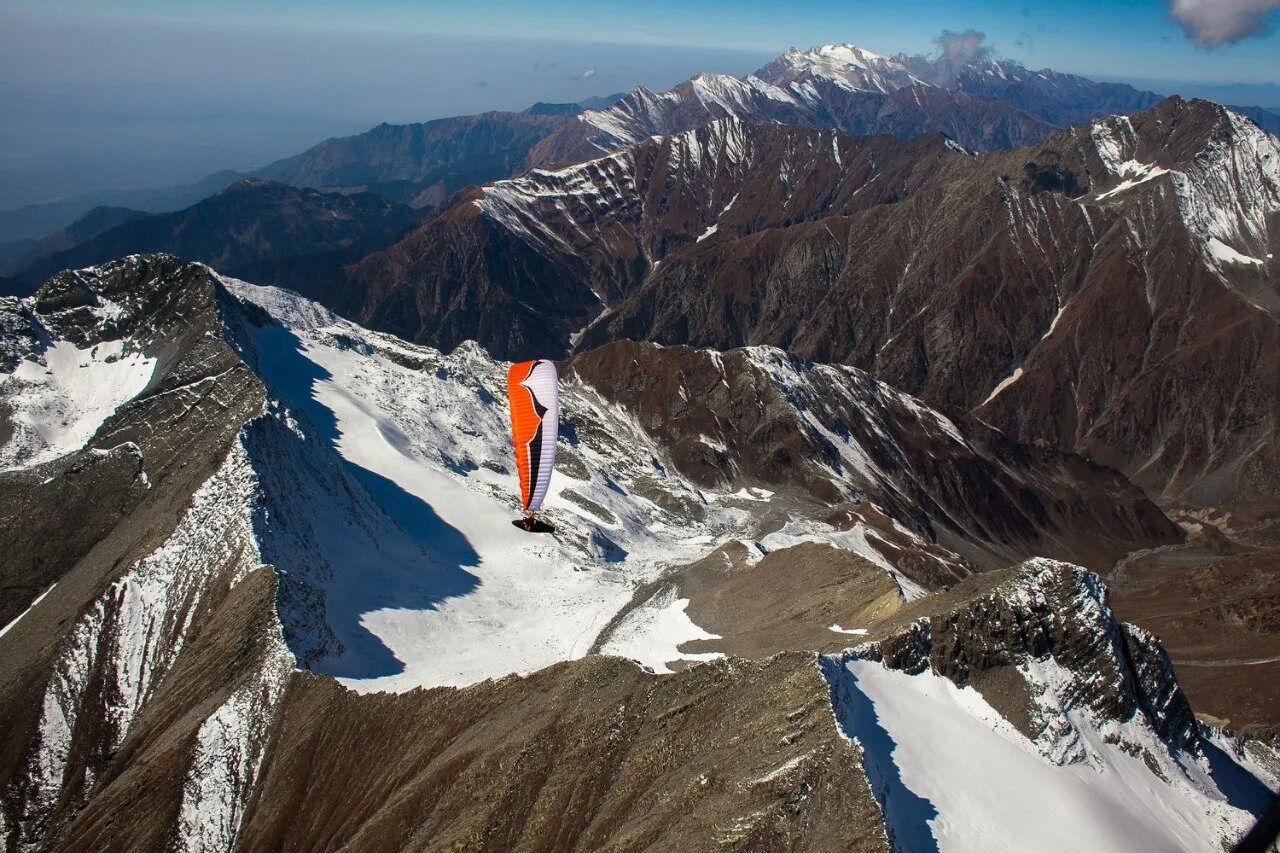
(748, 417)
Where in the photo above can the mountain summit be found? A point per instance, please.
(983, 104)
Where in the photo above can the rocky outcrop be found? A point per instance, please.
(1031, 660)
(1046, 610)
(758, 416)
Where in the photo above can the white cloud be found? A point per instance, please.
(1213, 23)
(963, 47)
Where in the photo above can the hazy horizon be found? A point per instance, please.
(276, 94)
(158, 96)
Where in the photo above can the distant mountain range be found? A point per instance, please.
(982, 105)
(400, 161)
(420, 164)
(17, 256)
(253, 228)
(35, 222)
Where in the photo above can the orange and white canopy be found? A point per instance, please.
(535, 420)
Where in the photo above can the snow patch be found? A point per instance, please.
(58, 404)
(1134, 173)
(1224, 254)
(858, 539)
(653, 633)
(1005, 383)
(32, 606)
(229, 750)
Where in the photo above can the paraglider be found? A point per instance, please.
(534, 399)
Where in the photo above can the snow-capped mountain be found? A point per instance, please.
(1061, 292)
(1027, 681)
(244, 533)
(983, 104)
(836, 91)
(846, 65)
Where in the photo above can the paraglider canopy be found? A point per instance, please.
(534, 398)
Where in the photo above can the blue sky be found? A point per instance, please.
(1114, 38)
(143, 93)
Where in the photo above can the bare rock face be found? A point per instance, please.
(758, 416)
(1076, 293)
(588, 755)
(1046, 610)
(1010, 288)
(523, 265)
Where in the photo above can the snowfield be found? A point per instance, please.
(1085, 771)
(434, 586)
(956, 776)
(59, 404)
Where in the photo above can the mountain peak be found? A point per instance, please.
(246, 183)
(846, 65)
(847, 53)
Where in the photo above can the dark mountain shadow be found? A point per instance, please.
(1241, 788)
(346, 541)
(906, 813)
